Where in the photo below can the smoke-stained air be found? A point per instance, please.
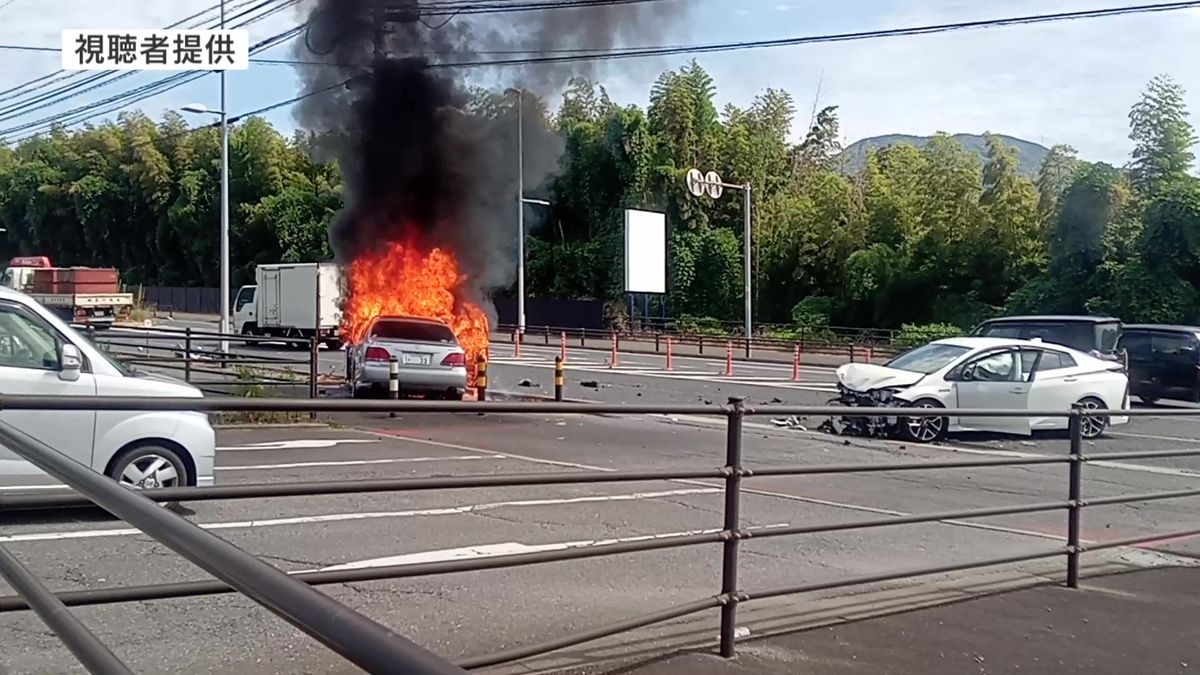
(419, 164)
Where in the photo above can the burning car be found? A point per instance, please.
(428, 358)
(979, 374)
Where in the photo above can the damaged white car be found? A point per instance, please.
(982, 374)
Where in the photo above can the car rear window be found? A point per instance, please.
(1135, 342)
(1055, 361)
(416, 331)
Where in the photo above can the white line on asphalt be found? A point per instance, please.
(370, 515)
(298, 444)
(355, 462)
(508, 548)
(1126, 434)
(765, 493)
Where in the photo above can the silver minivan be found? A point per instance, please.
(42, 355)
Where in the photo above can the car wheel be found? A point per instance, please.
(453, 395)
(923, 429)
(150, 466)
(1092, 426)
(1148, 400)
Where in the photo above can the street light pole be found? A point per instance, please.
(224, 326)
(520, 213)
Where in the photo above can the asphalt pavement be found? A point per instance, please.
(463, 615)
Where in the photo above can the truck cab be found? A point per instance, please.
(245, 311)
(19, 273)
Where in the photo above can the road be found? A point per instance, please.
(467, 614)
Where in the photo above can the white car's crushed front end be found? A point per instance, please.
(863, 385)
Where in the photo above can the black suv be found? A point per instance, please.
(1092, 334)
(1164, 362)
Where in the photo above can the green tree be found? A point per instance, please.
(1163, 138)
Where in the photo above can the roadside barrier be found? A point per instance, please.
(375, 649)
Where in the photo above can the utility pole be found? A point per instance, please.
(377, 10)
(520, 213)
(224, 327)
(749, 319)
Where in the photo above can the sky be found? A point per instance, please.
(1070, 82)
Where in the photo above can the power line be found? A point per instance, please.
(594, 54)
(61, 75)
(142, 92)
(6, 4)
(124, 99)
(640, 52)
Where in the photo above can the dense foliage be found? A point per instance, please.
(917, 236)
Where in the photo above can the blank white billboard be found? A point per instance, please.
(645, 252)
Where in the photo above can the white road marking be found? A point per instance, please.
(298, 444)
(508, 548)
(355, 462)
(370, 515)
(766, 493)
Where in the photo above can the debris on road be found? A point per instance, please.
(528, 383)
(590, 384)
(792, 422)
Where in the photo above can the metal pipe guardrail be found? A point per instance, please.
(730, 478)
(360, 640)
(84, 644)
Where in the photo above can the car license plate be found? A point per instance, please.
(409, 358)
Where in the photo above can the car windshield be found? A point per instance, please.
(928, 359)
(415, 331)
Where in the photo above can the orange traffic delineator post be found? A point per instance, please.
(729, 359)
(562, 346)
(670, 360)
(612, 362)
(796, 363)
(517, 346)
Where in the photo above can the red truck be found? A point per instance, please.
(81, 295)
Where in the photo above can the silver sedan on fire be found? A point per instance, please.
(428, 358)
(982, 374)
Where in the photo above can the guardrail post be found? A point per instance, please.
(547, 335)
(393, 381)
(733, 486)
(187, 354)
(701, 345)
(558, 379)
(1074, 490)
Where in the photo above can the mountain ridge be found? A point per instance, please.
(1030, 154)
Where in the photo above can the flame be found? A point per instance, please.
(399, 280)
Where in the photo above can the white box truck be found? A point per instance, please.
(292, 301)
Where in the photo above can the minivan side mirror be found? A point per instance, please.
(70, 363)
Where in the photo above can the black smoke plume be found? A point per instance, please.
(418, 159)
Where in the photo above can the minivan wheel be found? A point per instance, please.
(150, 466)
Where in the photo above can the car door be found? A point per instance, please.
(244, 310)
(1142, 369)
(1175, 356)
(1056, 386)
(29, 355)
(993, 381)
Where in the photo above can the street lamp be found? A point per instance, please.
(521, 202)
(200, 109)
